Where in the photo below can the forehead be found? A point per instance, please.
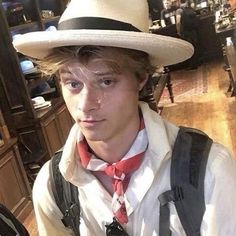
(109, 58)
(104, 53)
(94, 72)
(93, 65)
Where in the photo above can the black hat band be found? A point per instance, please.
(96, 23)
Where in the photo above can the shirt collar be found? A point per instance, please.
(158, 147)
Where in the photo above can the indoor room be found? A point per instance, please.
(196, 89)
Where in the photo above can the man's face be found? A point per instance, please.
(102, 102)
(167, 4)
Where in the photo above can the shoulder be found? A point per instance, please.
(221, 161)
(42, 179)
(221, 171)
(163, 12)
(220, 192)
(41, 186)
(47, 213)
(42, 191)
(179, 11)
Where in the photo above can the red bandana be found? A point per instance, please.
(119, 171)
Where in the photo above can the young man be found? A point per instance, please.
(168, 13)
(187, 29)
(118, 153)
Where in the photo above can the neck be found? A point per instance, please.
(114, 149)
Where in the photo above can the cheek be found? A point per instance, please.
(66, 95)
(70, 101)
(123, 100)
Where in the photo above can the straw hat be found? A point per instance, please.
(119, 23)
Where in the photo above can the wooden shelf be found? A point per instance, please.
(7, 145)
(12, 173)
(39, 133)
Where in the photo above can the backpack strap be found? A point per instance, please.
(66, 195)
(188, 166)
(9, 224)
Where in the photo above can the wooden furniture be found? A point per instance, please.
(14, 187)
(4, 133)
(55, 123)
(52, 125)
(229, 55)
(40, 132)
(164, 81)
(154, 89)
(230, 52)
(225, 32)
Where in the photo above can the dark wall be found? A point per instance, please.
(155, 7)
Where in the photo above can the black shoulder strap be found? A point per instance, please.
(9, 224)
(188, 166)
(66, 195)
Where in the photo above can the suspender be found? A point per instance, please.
(188, 166)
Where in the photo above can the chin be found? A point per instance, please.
(94, 136)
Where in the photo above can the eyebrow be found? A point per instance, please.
(103, 73)
(63, 70)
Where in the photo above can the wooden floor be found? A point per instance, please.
(213, 112)
(30, 224)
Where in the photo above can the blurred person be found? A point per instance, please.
(167, 14)
(187, 29)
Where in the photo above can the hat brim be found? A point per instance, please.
(163, 50)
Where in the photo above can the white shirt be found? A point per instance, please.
(146, 184)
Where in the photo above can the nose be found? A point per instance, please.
(89, 99)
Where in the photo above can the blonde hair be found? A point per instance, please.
(118, 59)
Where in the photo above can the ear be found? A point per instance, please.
(143, 81)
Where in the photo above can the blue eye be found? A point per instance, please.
(106, 82)
(73, 85)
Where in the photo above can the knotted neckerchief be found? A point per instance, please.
(119, 171)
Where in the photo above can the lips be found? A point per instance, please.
(91, 122)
